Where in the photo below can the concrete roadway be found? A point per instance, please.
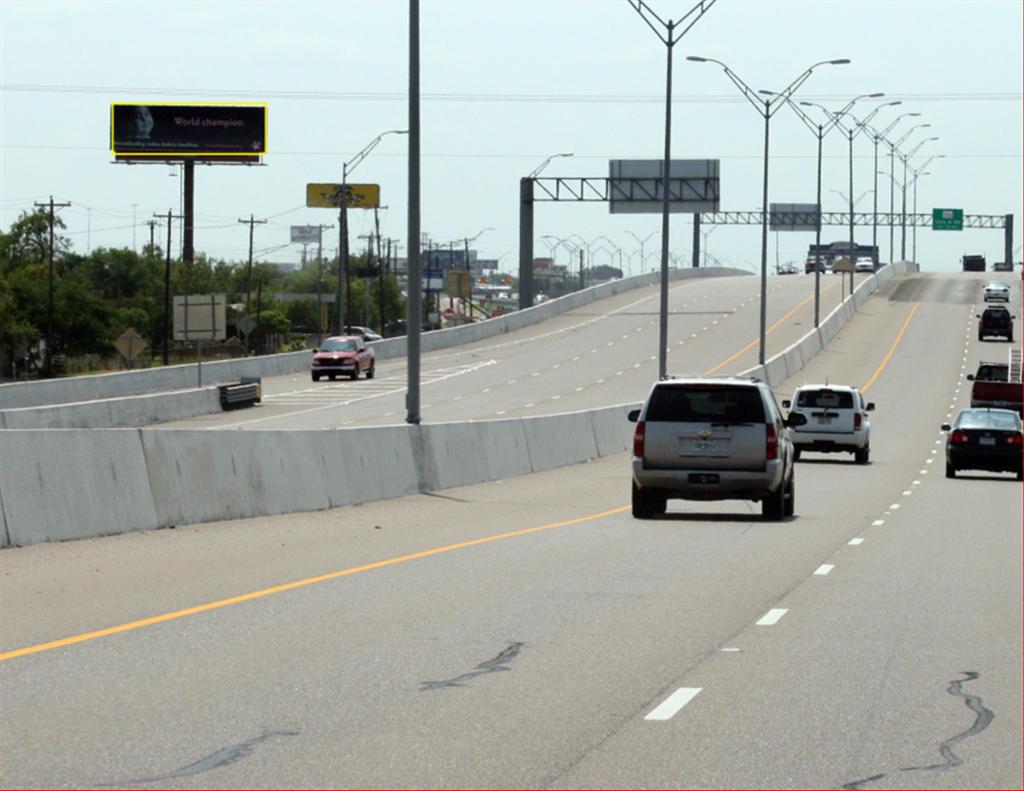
(605, 353)
(530, 633)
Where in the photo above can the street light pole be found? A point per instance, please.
(674, 31)
(343, 201)
(770, 106)
(820, 130)
(537, 170)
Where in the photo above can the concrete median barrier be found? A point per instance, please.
(126, 412)
(59, 484)
(74, 483)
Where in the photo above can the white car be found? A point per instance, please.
(864, 265)
(997, 292)
(837, 420)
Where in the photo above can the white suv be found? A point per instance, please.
(837, 421)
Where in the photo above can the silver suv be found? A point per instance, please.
(718, 438)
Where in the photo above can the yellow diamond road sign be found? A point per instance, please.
(329, 196)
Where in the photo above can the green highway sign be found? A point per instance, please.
(947, 219)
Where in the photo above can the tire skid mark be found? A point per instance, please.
(223, 757)
(950, 760)
(496, 665)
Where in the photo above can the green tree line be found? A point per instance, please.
(99, 295)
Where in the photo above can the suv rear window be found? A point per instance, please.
(825, 399)
(705, 404)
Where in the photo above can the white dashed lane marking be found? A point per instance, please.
(671, 706)
(772, 617)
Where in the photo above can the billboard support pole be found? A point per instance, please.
(343, 250)
(1008, 241)
(188, 240)
(525, 242)
(414, 281)
(696, 239)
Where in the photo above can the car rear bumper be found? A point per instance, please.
(997, 460)
(829, 442)
(729, 485)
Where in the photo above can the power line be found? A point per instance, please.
(566, 98)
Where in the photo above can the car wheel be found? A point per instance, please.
(861, 456)
(355, 372)
(950, 470)
(316, 377)
(981, 337)
(645, 504)
(1020, 474)
(796, 454)
(773, 507)
(369, 373)
(331, 377)
(790, 505)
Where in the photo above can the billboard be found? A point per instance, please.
(200, 317)
(635, 186)
(328, 196)
(173, 131)
(793, 216)
(305, 234)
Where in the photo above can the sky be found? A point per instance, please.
(505, 84)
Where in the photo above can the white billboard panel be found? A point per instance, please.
(793, 216)
(305, 234)
(635, 186)
(200, 317)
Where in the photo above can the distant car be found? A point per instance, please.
(366, 333)
(712, 439)
(788, 269)
(346, 355)
(985, 439)
(836, 421)
(995, 321)
(864, 265)
(997, 291)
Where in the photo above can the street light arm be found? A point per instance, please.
(910, 131)
(785, 95)
(896, 120)
(353, 163)
(862, 125)
(749, 93)
(916, 148)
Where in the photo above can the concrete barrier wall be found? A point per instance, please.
(130, 411)
(18, 395)
(75, 483)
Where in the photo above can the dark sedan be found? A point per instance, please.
(985, 439)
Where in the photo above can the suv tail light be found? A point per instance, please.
(1015, 439)
(856, 419)
(959, 438)
(638, 439)
(771, 442)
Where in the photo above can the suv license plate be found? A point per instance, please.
(986, 441)
(824, 420)
(703, 477)
(705, 445)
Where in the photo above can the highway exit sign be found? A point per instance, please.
(947, 219)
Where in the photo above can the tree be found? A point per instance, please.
(28, 241)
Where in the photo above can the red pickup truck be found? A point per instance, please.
(998, 385)
(342, 355)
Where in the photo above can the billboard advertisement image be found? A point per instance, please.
(193, 130)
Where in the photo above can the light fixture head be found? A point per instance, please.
(839, 62)
(875, 95)
(696, 59)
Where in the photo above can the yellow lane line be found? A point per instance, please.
(895, 343)
(214, 605)
(754, 342)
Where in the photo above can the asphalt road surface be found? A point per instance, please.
(530, 633)
(602, 354)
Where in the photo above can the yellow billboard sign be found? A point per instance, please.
(329, 196)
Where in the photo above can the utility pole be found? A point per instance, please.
(152, 241)
(49, 309)
(252, 223)
(319, 281)
(171, 217)
(380, 271)
(134, 248)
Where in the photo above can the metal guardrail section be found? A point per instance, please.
(622, 189)
(248, 392)
(843, 218)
